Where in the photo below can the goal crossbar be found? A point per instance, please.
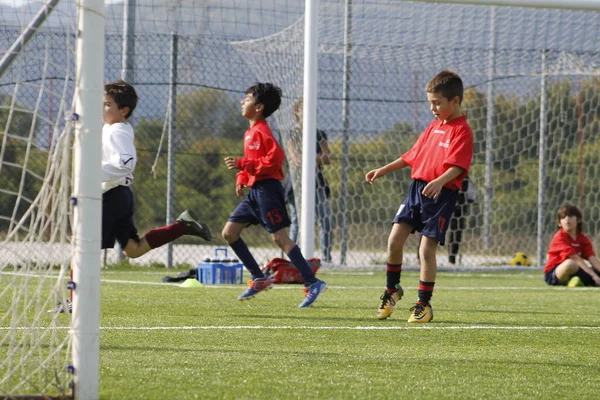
(593, 5)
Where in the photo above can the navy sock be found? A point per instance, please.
(425, 291)
(301, 265)
(241, 250)
(392, 273)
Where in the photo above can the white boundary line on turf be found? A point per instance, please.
(357, 328)
(331, 328)
(295, 287)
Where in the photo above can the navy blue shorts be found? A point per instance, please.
(264, 205)
(551, 279)
(117, 217)
(429, 216)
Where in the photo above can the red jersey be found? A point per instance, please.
(263, 157)
(441, 146)
(563, 246)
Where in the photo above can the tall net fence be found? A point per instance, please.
(382, 53)
(511, 62)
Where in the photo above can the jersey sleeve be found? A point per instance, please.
(461, 150)
(241, 178)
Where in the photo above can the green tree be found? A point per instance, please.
(209, 127)
(209, 113)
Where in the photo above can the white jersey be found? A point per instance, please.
(118, 155)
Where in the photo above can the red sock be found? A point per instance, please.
(159, 236)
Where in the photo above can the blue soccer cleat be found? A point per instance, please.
(312, 293)
(256, 286)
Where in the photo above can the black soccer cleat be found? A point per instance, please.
(191, 226)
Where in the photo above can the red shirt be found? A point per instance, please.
(441, 146)
(563, 246)
(263, 157)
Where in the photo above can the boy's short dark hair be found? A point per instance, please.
(448, 83)
(571, 211)
(266, 94)
(123, 94)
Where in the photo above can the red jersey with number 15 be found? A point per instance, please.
(441, 146)
(263, 157)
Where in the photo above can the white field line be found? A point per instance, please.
(330, 328)
(334, 287)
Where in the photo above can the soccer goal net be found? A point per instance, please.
(36, 94)
(532, 98)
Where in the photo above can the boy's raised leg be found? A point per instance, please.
(191, 226)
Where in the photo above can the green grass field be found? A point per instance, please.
(498, 335)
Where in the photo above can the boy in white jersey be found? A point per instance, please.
(118, 162)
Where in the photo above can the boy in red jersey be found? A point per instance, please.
(568, 251)
(440, 159)
(261, 170)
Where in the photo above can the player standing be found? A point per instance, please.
(439, 160)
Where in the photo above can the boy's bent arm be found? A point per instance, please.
(379, 172)
(451, 173)
(394, 165)
(581, 262)
(433, 188)
(595, 263)
(241, 178)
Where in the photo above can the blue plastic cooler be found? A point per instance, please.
(220, 269)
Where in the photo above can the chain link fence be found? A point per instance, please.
(526, 71)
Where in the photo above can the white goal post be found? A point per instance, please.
(87, 198)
